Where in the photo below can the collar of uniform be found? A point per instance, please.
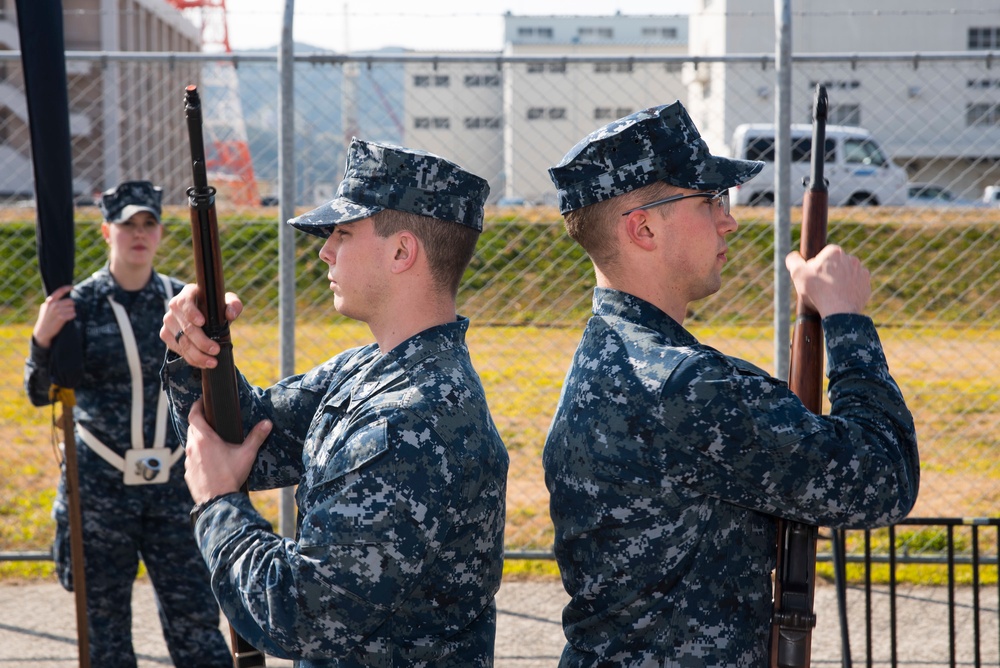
(388, 368)
(104, 275)
(617, 304)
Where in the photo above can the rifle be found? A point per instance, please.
(67, 398)
(220, 391)
(795, 574)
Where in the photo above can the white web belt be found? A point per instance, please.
(141, 465)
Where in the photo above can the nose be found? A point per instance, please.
(327, 253)
(727, 224)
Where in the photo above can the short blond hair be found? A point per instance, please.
(449, 246)
(593, 226)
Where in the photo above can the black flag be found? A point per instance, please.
(43, 56)
(40, 23)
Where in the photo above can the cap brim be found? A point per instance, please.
(321, 220)
(720, 173)
(132, 209)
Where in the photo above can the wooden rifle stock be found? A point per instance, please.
(67, 398)
(795, 574)
(219, 386)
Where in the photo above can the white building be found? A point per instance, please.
(454, 110)
(549, 106)
(939, 120)
(510, 124)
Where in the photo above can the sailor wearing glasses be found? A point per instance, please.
(667, 460)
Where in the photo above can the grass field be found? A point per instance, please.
(522, 369)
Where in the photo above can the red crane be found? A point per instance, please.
(230, 160)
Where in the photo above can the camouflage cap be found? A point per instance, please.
(129, 198)
(656, 144)
(383, 176)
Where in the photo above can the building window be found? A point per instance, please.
(601, 33)
(482, 122)
(551, 68)
(607, 68)
(843, 84)
(552, 113)
(543, 33)
(426, 80)
(428, 122)
(984, 39)
(982, 115)
(663, 32)
(842, 114)
(607, 113)
(476, 80)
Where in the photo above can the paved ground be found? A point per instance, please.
(37, 628)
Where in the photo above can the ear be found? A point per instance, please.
(406, 250)
(638, 231)
(106, 230)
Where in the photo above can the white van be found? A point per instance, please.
(857, 171)
(991, 196)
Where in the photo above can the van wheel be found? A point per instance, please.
(762, 199)
(862, 199)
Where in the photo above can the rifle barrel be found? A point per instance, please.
(220, 389)
(795, 575)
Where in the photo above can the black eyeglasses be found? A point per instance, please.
(720, 199)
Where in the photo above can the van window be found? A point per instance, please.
(762, 148)
(863, 151)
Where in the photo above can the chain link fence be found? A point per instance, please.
(935, 264)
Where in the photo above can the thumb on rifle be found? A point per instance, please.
(793, 261)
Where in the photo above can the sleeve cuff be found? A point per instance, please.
(200, 508)
(851, 341)
(39, 355)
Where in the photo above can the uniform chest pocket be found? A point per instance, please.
(357, 446)
(351, 499)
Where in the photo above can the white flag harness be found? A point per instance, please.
(141, 465)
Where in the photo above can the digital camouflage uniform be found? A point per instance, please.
(122, 522)
(401, 477)
(667, 460)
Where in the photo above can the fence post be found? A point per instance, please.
(286, 235)
(782, 176)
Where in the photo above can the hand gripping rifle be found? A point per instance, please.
(795, 574)
(219, 387)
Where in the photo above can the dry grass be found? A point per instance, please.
(957, 411)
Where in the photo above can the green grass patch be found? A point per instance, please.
(530, 569)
